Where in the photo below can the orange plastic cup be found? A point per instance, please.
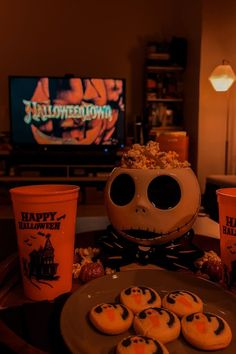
(45, 218)
(226, 198)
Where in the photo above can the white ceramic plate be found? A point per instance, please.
(81, 337)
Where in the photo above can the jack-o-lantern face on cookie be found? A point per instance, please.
(139, 298)
(111, 318)
(140, 345)
(152, 206)
(206, 331)
(158, 323)
(182, 302)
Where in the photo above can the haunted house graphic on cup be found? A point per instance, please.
(41, 265)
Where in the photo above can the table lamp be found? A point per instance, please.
(222, 78)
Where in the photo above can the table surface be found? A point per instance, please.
(226, 180)
(88, 227)
(16, 309)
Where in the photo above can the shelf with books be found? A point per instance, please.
(164, 88)
(155, 132)
(158, 68)
(154, 99)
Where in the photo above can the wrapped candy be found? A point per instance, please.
(91, 271)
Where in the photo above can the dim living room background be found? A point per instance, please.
(104, 40)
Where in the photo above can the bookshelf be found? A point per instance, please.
(164, 87)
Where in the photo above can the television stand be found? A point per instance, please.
(89, 176)
(60, 171)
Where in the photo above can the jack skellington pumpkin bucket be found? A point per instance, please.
(152, 201)
(152, 206)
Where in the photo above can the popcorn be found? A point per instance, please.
(150, 157)
(76, 270)
(87, 252)
(208, 256)
(109, 271)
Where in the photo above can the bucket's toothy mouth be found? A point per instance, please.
(141, 234)
(146, 234)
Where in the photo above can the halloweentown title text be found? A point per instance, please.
(43, 111)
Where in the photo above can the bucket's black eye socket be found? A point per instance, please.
(122, 189)
(164, 192)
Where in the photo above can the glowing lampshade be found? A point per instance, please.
(222, 77)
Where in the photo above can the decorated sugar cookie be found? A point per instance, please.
(111, 318)
(206, 331)
(140, 344)
(158, 323)
(138, 298)
(182, 302)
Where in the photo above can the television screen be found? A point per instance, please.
(68, 111)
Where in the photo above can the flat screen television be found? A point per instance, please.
(67, 113)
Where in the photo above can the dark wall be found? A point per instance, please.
(94, 38)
